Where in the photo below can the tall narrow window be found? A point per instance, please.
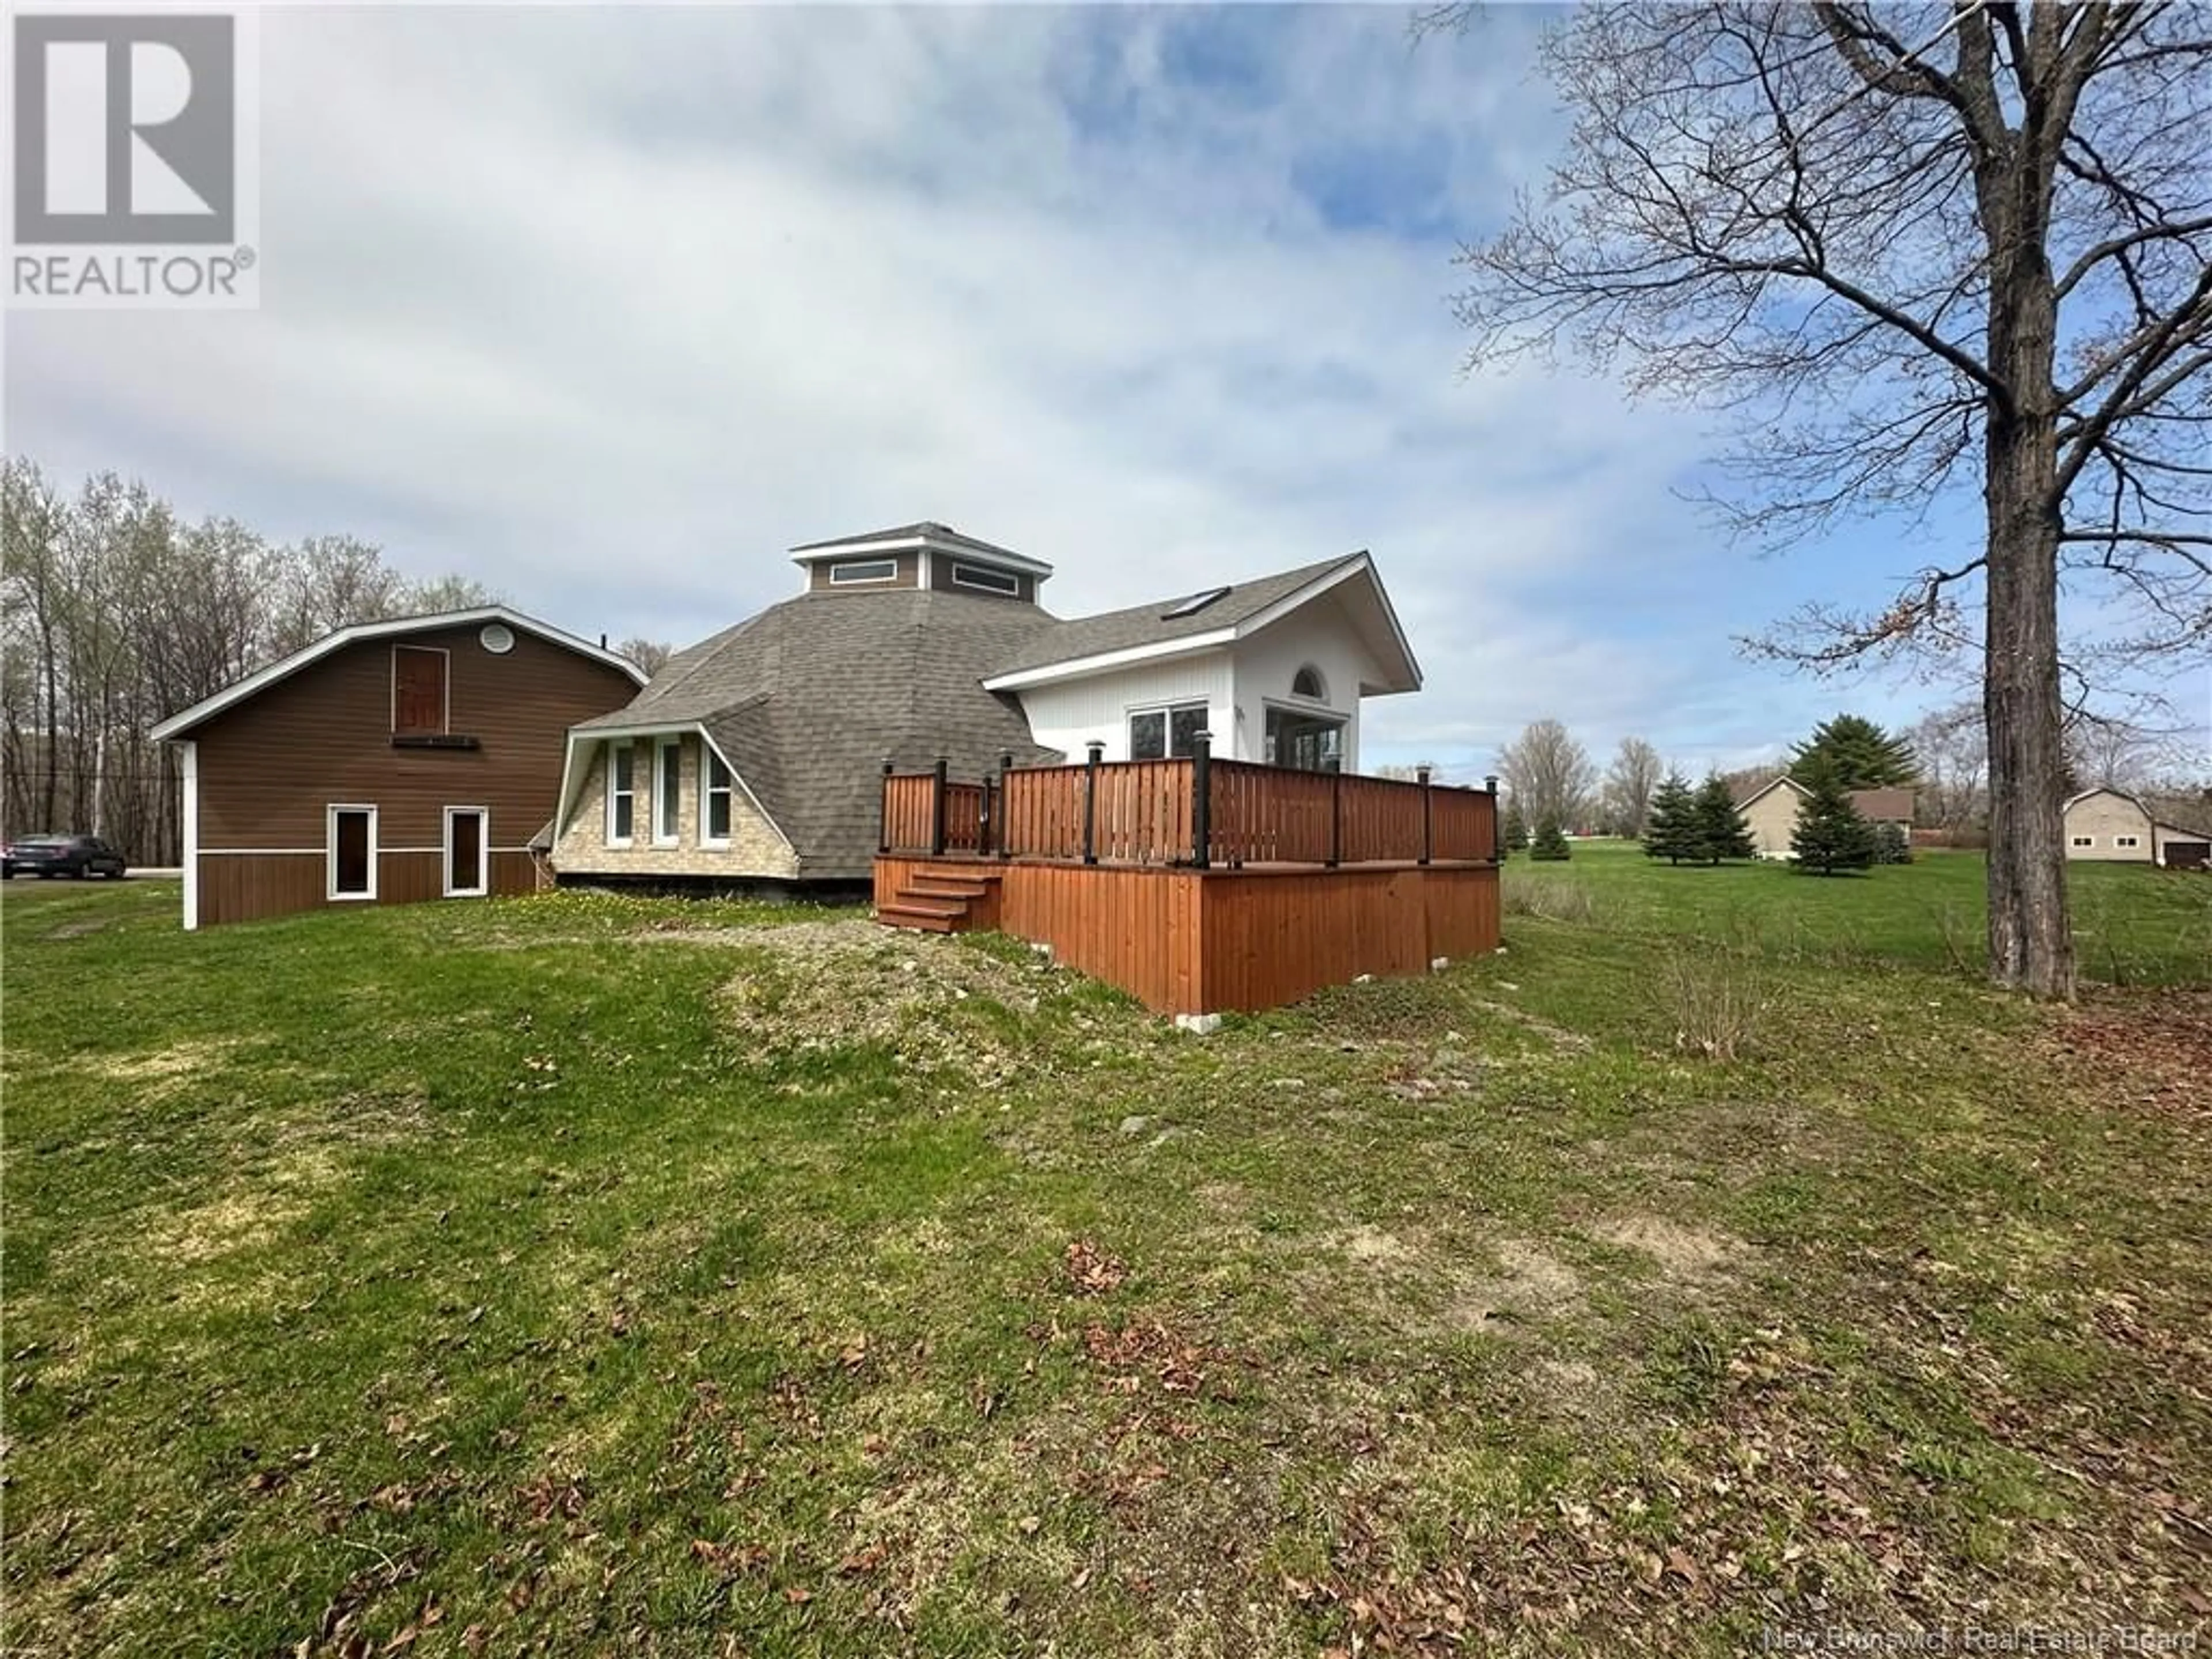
(667, 790)
(715, 797)
(418, 690)
(350, 859)
(622, 795)
(467, 854)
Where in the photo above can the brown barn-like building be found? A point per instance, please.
(389, 763)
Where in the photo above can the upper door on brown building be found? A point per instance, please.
(418, 689)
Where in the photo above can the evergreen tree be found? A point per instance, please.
(1671, 831)
(1515, 832)
(1718, 829)
(1865, 756)
(1892, 845)
(1550, 846)
(1830, 835)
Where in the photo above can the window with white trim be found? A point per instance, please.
(715, 788)
(2127, 840)
(1165, 733)
(2085, 841)
(1308, 682)
(990, 580)
(667, 790)
(350, 855)
(856, 573)
(622, 795)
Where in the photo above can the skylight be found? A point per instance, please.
(1193, 605)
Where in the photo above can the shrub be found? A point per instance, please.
(1711, 998)
(1892, 845)
(1515, 830)
(1550, 900)
(1550, 846)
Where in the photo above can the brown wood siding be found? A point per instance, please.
(1188, 941)
(909, 574)
(235, 888)
(270, 768)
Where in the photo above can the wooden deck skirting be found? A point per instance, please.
(1198, 885)
(1185, 941)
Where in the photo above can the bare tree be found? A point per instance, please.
(1549, 775)
(447, 593)
(651, 655)
(1911, 248)
(1630, 783)
(1955, 754)
(113, 613)
(2111, 754)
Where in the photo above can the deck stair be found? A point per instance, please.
(948, 903)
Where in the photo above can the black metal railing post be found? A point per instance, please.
(1335, 818)
(937, 812)
(1201, 801)
(1005, 769)
(883, 810)
(1098, 752)
(1428, 831)
(1496, 829)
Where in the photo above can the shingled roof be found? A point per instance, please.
(807, 699)
(1153, 625)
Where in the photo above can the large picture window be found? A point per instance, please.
(1165, 733)
(715, 797)
(622, 795)
(667, 790)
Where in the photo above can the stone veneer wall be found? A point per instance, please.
(755, 848)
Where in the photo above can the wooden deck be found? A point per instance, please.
(1198, 886)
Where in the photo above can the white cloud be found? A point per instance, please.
(606, 308)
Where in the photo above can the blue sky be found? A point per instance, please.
(607, 308)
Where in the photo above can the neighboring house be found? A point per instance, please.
(388, 763)
(758, 755)
(2109, 826)
(1771, 811)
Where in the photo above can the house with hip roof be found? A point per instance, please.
(758, 755)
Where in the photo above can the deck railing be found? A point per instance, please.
(1196, 812)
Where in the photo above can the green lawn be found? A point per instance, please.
(2133, 924)
(588, 1275)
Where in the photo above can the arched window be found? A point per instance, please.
(1308, 682)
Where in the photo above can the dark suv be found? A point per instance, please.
(77, 856)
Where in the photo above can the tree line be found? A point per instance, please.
(1548, 775)
(117, 611)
